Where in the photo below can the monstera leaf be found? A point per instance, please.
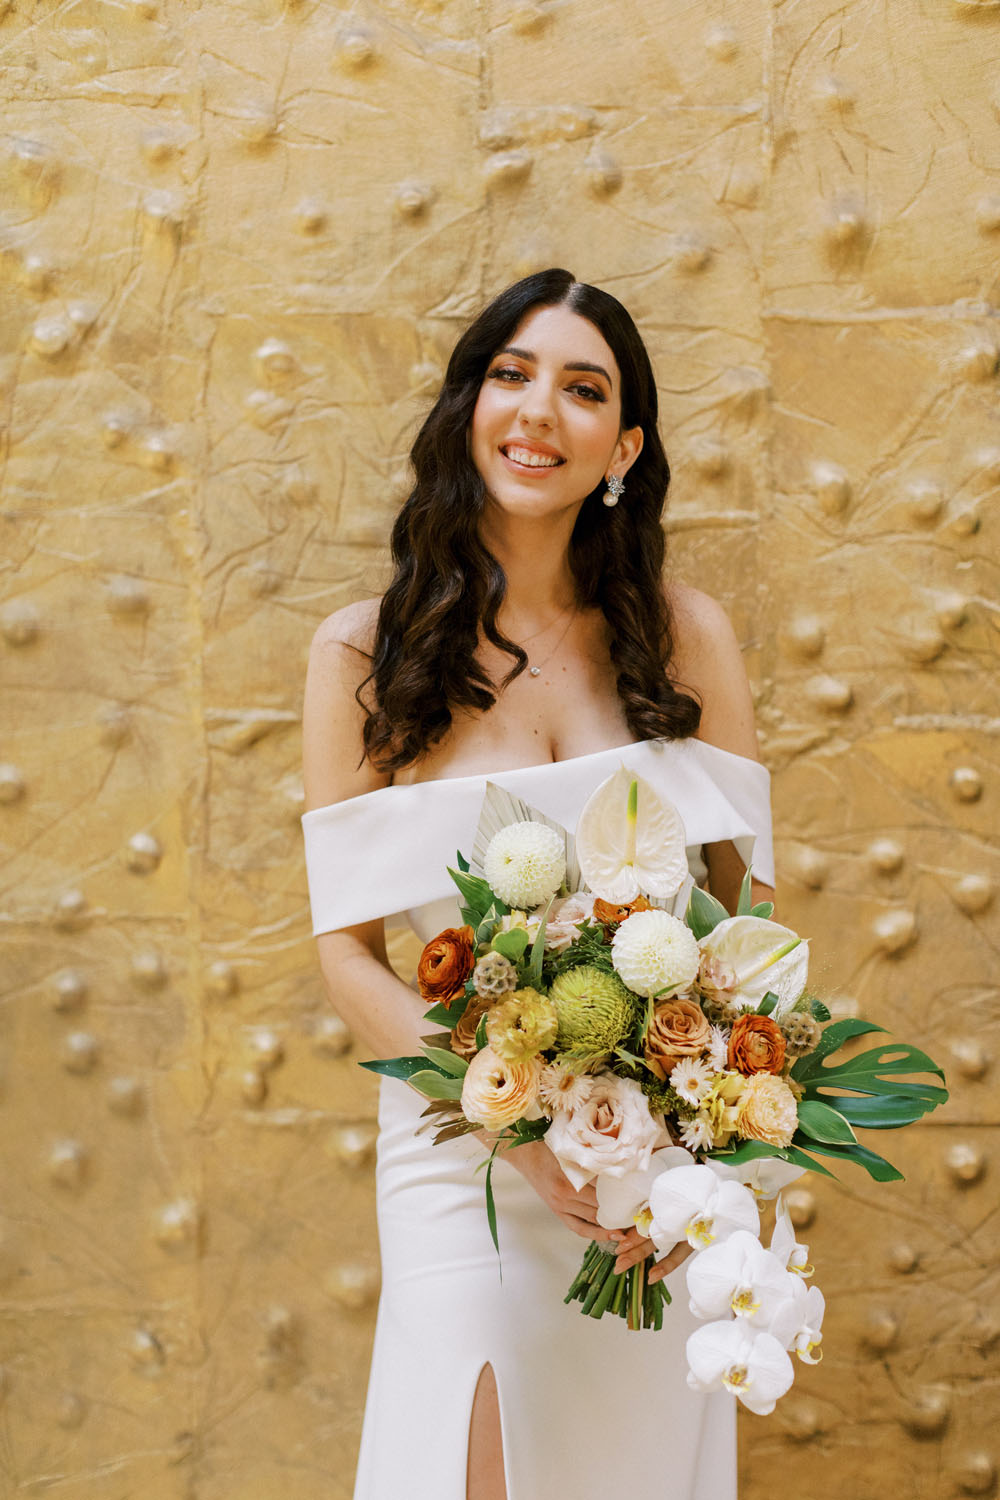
(890, 1097)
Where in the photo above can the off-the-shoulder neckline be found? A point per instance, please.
(545, 765)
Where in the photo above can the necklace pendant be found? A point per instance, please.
(534, 671)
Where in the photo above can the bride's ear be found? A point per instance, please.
(628, 450)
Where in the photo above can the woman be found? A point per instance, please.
(526, 637)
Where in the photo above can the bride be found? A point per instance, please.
(527, 636)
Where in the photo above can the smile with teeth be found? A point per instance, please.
(529, 458)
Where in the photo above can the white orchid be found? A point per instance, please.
(630, 841)
(797, 1325)
(740, 1277)
(625, 1200)
(785, 1246)
(692, 1203)
(752, 955)
(753, 1366)
(765, 1176)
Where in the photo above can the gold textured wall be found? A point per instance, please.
(237, 241)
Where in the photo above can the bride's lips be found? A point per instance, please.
(535, 448)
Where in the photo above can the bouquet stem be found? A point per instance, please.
(628, 1295)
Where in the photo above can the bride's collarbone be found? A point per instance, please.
(512, 741)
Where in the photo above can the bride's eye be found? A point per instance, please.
(590, 391)
(505, 372)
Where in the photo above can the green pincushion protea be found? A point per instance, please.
(595, 1011)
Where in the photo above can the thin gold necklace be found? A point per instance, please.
(535, 671)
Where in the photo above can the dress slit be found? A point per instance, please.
(488, 1365)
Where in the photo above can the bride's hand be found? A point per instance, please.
(577, 1209)
(633, 1248)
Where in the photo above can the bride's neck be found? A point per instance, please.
(535, 559)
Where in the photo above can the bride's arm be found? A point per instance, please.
(385, 1014)
(708, 659)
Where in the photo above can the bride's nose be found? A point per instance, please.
(537, 407)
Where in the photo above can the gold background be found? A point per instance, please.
(237, 242)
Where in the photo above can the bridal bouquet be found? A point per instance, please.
(664, 1050)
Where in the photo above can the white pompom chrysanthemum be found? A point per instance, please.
(655, 953)
(525, 864)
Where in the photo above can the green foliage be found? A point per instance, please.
(533, 971)
(763, 909)
(511, 944)
(768, 1003)
(448, 1062)
(824, 1124)
(441, 1015)
(396, 1067)
(591, 947)
(436, 1085)
(477, 898)
(744, 906)
(891, 1098)
(481, 1033)
(704, 913)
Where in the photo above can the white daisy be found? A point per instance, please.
(718, 1048)
(691, 1078)
(560, 1088)
(696, 1134)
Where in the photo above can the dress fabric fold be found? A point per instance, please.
(587, 1407)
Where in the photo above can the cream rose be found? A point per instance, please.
(612, 1131)
(496, 1092)
(564, 917)
(766, 1110)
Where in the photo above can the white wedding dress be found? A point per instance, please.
(587, 1408)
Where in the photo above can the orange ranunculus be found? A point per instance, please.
(446, 964)
(756, 1045)
(608, 914)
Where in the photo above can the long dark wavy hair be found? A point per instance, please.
(447, 586)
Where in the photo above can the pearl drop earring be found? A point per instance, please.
(614, 491)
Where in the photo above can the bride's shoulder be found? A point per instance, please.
(333, 720)
(707, 661)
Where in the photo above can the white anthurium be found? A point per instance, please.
(751, 955)
(798, 1325)
(752, 1366)
(631, 841)
(740, 1277)
(765, 1176)
(785, 1246)
(625, 1200)
(693, 1204)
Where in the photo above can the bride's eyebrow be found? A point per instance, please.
(577, 365)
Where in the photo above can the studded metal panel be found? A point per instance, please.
(237, 242)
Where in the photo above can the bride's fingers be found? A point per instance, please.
(669, 1262)
(631, 1255)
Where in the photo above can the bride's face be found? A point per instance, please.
(546, 429)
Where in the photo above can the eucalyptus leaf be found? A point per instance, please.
(822, 1123)
(491, 1208)
(512, 944)
(434, 1085)
(396, 1067)
(534, 974)
(447, 1061)
(443, 1016)
(704, 913)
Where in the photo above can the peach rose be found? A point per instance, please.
(756, 1045)
(463, 1033)
(766, 1110)
(495, 1092)
(679, 1028)
(445, 965)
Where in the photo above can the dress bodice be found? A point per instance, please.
(386, 853)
